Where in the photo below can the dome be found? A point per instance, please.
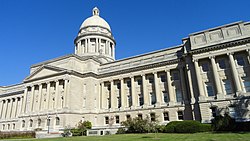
(95, 20)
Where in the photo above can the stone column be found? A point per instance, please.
(79, 46)
(170, 90)
(113, 48)
(99, 45)
(57, 100)
(133, 93)
(216, 78)
(14, 105)
(4, 108)
(112, 95)
(65, 98)
(1, 108)
(145, 91)
(235, 74)
(24, 101)
(39, 97)
(10, 108)
(7, 108)
(86, 46)
(157, 90)
(183, 85)
(106, 47)
(96, 45)
(123, 95)
(31, 104)
(248, 52)
(199, 81)
(20, 105)
(48, 95)
(18, 100)
(103, 97)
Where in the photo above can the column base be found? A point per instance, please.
(171, 103)
(202, 98)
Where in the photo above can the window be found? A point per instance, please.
(246, 83)
(109, 102)
(106, 120)
(175, 76)
(57, 121)
(129, 100)
(8, 126)
(39, 122)
(165, 96)
(152, 116)
(178, 94)
(13, 126)
(139, 81)
(31, 122)
(141, 102)
(214, 111)
(151, 80)
(180, 115)
(128, 117)
(227, 86)
(165, 116)
(117, 119)
(118, 85)
(232, 112)
(222, 64)
(153, 98)
(205, 67)
(129, 84)
(119, 102)
(210, 91)
(23, 124)
(163, 78)
(3, 126)
(140, 116)
(240, 61)
(48, 122)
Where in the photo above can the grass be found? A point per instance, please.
(157, 137)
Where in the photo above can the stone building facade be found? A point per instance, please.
(209, 70)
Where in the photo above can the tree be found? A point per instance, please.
(83, 126)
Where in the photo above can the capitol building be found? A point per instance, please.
(191, 81)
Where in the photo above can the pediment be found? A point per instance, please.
(44, 71)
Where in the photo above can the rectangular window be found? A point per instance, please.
(140, 116)
(240, 61)
(151, 80)
(117, 119)
(152, 116)
(119, 102)
(153, 98)
(165, 96)
(222, 64)
(178, 94)
(139, 81)
(129, 84)
(180, 115)
(166, 116)
(227, 86)
(106, 120)
(163, 78)
(205, 67)
(210, 91)
(141, 101)
(128, 117)
(175, 76)
(129, 100)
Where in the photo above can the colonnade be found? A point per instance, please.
(218, 86)
(84, 46)
(146, 91)
(10, 107)
(45, 96)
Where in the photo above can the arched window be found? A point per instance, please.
(31, 122)
(57, 121)
(23, 123)
(39, 122)
(14, 126)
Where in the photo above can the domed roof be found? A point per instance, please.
(95, 20)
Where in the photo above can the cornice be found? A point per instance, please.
(220, 46)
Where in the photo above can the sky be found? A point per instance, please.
(33, 31)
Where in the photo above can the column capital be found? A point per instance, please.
(230, 53)
(47, 82)
(195, 60)
(211, 57)
(143, 74)
(167, 70)
(120, 79)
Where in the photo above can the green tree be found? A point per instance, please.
(83, 126)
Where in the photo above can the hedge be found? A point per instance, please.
(17, 134)
(187, 126)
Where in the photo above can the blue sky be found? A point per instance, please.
(32, 31)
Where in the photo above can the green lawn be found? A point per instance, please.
(158, 137)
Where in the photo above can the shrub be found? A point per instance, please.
(19, 134)
(138, 125)
(223, 123)
(187, 126)
(121, 131)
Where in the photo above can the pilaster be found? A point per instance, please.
(157, 90)
(199, 80)
(170, 90)
(133, 93)
(145, 91)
